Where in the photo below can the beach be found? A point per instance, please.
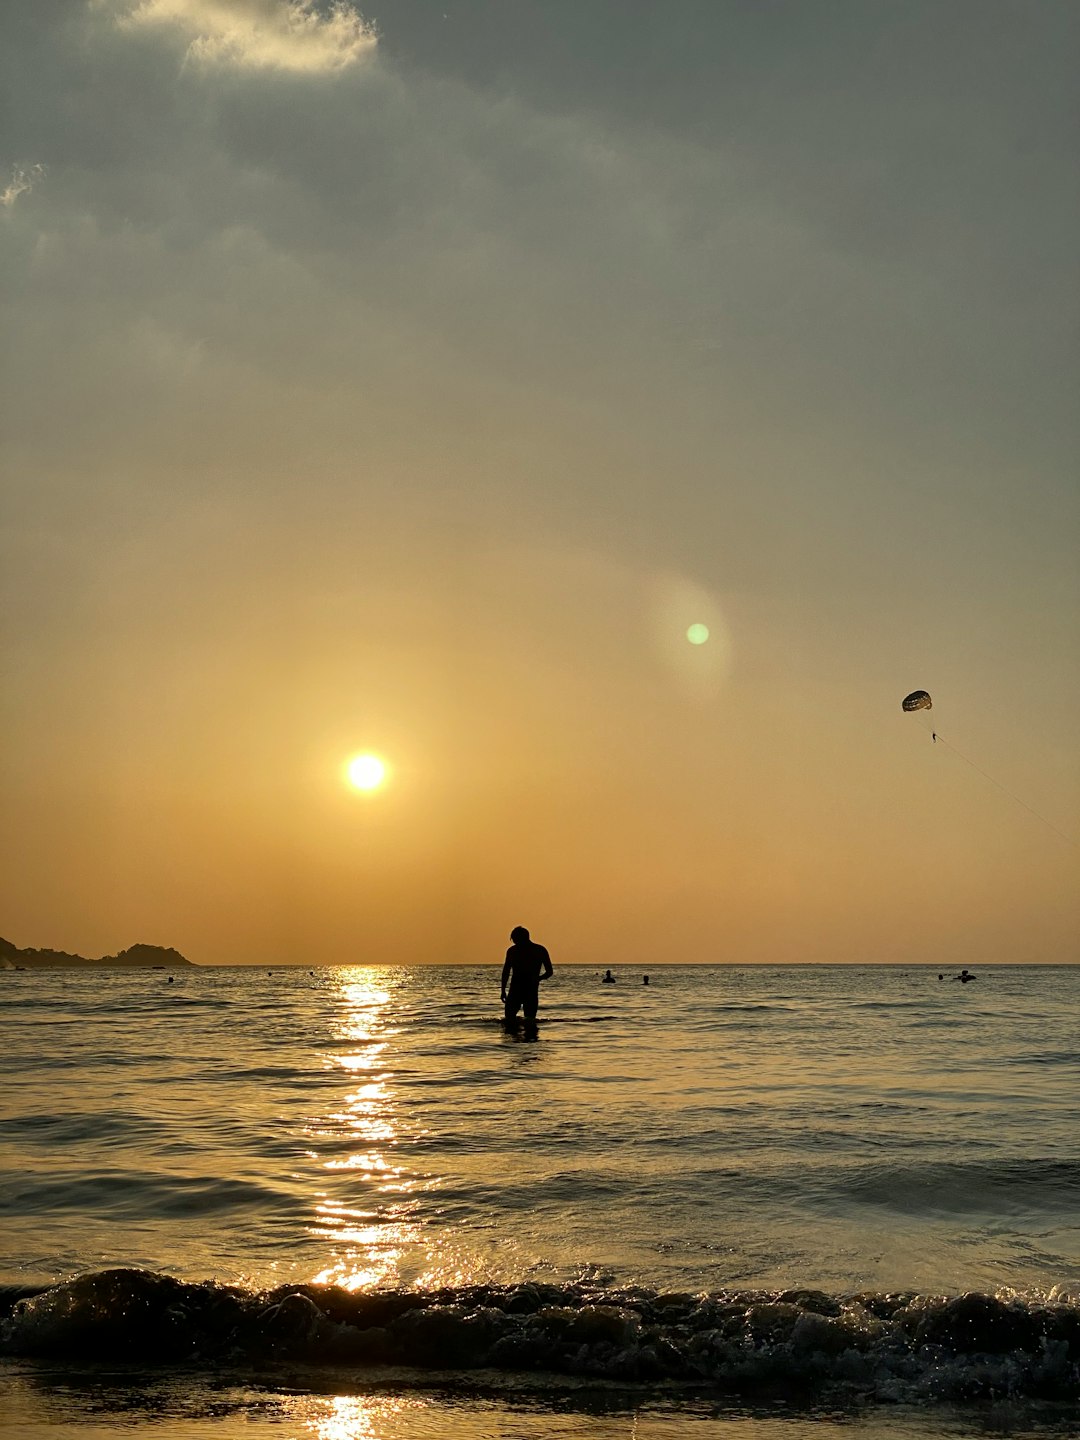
(596, 476)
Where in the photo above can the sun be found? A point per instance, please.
(365, 772)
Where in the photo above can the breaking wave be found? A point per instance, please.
(885, 1347)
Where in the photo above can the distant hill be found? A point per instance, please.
(12, 958)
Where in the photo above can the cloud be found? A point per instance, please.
(458, 234)
(291, 35)
(23, 180)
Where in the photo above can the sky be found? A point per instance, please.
(408, 379)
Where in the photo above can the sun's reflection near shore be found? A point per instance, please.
(357, 1417)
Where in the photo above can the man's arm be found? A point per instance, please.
(546, 973)
(505, 975)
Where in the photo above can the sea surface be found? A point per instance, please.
(746, 1202)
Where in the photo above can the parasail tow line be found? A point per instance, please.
(939, 739)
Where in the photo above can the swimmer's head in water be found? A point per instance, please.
(518, 934)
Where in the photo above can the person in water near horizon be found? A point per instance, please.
(607, 978)
(526, 964)
(965, 976)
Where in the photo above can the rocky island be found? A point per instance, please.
(144, 956)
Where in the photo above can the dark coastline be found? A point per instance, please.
(134, 957)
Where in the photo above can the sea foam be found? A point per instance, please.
(880, 1346)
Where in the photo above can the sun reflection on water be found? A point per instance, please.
(357, 1417)
(374, 1216)
(362, 1217)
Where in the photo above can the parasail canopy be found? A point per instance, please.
(917, 700)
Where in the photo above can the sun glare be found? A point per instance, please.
(365, 772)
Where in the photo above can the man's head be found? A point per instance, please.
(519, 934)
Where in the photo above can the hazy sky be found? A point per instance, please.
(410, 380)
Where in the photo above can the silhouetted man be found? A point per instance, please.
(526, 965)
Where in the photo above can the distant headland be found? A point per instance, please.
(145, 956)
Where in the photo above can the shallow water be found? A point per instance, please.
(794, 1126)
(725, 1128)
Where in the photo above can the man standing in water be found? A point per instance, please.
(526, 965)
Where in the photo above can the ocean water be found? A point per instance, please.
(746, 1200)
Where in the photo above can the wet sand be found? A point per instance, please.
(40, 1403)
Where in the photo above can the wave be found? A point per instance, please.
(1003, 1187)
(887, 1347)
(121, 1194)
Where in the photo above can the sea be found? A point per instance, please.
(749, 1202)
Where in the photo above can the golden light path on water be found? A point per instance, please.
(368, 1217)
(357, 1417)
(366, 1241)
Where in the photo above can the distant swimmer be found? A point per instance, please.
(965, 976)
(607, 978)
(644, 979)
(526, 964)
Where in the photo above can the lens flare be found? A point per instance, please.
(690, 634)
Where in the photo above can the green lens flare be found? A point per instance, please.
(697, 634)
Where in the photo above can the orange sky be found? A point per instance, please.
(415, 394)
